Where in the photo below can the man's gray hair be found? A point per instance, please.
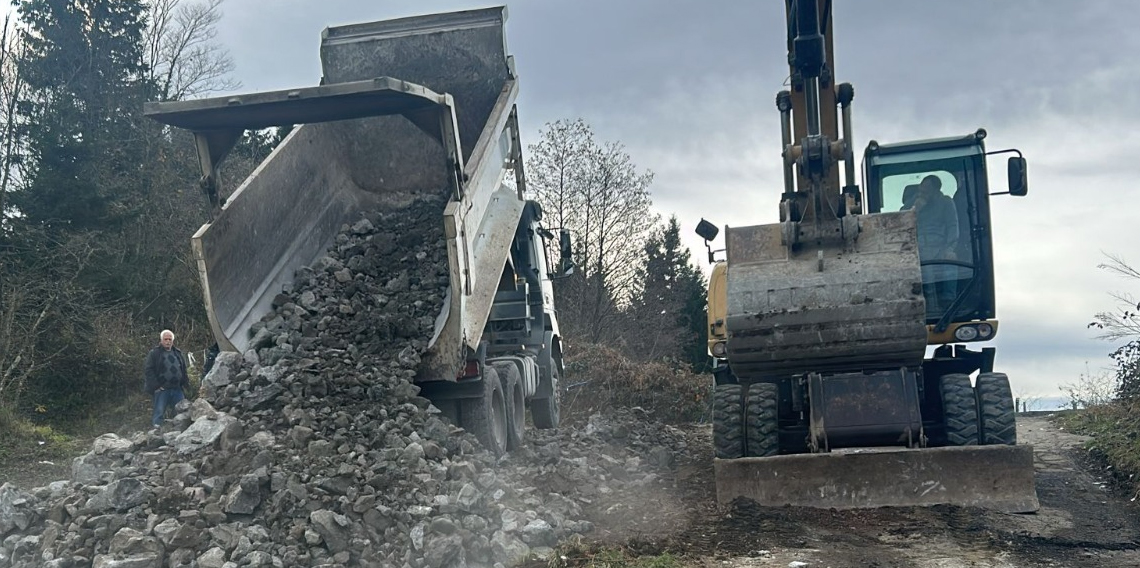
(163, 334)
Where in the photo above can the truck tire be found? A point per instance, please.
(486, 416)
(959, 410)
(761, 428)
(516, 403)
(545, 411)
(728, 422)
(995, 410)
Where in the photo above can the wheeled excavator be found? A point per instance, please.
(820, 324)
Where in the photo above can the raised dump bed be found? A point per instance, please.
(407, 108)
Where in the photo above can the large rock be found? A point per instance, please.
(336, 530)
(244, 497)
(222, 374)
(16, 509)
(213, 558)
(101, 462)
(131, 542)
(202, 433)
(119, 495)
(508, 549)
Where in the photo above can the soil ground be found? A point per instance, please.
(1081, 522)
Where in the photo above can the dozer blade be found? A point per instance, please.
(817, 308)
(990, 477)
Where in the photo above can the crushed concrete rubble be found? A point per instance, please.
(313, 447)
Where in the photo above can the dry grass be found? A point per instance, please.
(1115, 431)
(599, 378)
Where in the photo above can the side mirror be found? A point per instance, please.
(565, 250)
(707, 231)
(1018, 176)
(565, 253)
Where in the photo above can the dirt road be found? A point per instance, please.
(1081, 523)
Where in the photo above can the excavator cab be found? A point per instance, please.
(944, 181)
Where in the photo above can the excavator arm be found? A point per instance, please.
(810, 121)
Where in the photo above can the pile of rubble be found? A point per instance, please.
(313, 448)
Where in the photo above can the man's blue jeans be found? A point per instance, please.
(164, 398)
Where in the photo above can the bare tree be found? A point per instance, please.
(1124, 323)
(11, 89)
(38, 289)
(1091, 389)
(596, 192)
(181, 53)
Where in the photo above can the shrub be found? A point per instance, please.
(599, 378)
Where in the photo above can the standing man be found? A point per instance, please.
(166, 377)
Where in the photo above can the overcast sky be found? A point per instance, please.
(688, 86)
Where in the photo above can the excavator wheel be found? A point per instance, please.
(516, 403)
(995, 410)
(486, 416)
(959, 410)
(544, 411)
(728, 427)
(762, 429)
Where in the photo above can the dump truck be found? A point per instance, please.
(405, 108)
(820, 325)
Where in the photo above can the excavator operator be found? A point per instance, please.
(937, 240)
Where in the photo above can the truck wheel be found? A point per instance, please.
(995, 410)
(545, 411)
(486, 416)
(516, 403)
(762, 430)
(959, 410)
(728, 426)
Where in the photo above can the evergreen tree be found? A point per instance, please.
(668, 311)
(86, 85)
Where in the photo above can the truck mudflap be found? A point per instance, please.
(991, 477)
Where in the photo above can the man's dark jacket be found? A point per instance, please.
(153, 370)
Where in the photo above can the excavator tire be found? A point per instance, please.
(959, 410)
(516, 403)
(761, 427)
(728, 427)
(545, 411)
(995, 410)
(486, 416)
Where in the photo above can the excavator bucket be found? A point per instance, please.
(821, 307)
(990, 477)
